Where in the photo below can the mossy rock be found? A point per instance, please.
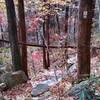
(12, 79)
(84, 87)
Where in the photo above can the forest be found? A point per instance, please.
(49, 49)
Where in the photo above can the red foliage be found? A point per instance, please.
(34, 24)
(36, 56)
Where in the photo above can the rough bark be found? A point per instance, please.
(86, 14)
(12, 28)
(22, 32)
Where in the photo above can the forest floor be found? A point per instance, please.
(39, 75)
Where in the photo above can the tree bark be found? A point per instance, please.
(44, 49)
(12, 28)
(66, 19)
(66, 30)
(22, 32)
(46, 59)
(47, 40)
(57, 18)
(86, 13)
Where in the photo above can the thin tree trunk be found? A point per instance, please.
(12, 28)
(44, 49)
(22, 33)
(37, 37)
(2, 37)
(47, 40)
(86, 14)
(66, 30)
(98, 2)
(74, 30)
(57, 18)
(46, 37)
(66, 19)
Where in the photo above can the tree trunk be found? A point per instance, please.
(22, 32)
(12, 28)
(66, 19)
(98, 2)
(47, 40)
(66, 30)
(44, 49)
(57, 18)
(46, 59)
(86, 14)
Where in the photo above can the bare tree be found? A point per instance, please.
(86, 13)
(22, 32)
(12, 28)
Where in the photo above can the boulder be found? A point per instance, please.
(85, 88)
(12, 79)
(40, 89)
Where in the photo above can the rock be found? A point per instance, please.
(2, 71)
(76, 90)
(43, 96)
(1, 66)
(8, 67)
(19, 77)
(5, 68)
(40, 89)
(47, 94)
(1, 97)
(13, 79)
(3, 86)
(5, 78)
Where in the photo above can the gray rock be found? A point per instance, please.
(2, 71)
(8, 67)
(1, 97)
(5, 68)
(40, 89)
(77, 88)
(3, 86)
(13, 79)
(5, 78)
(1, 66)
